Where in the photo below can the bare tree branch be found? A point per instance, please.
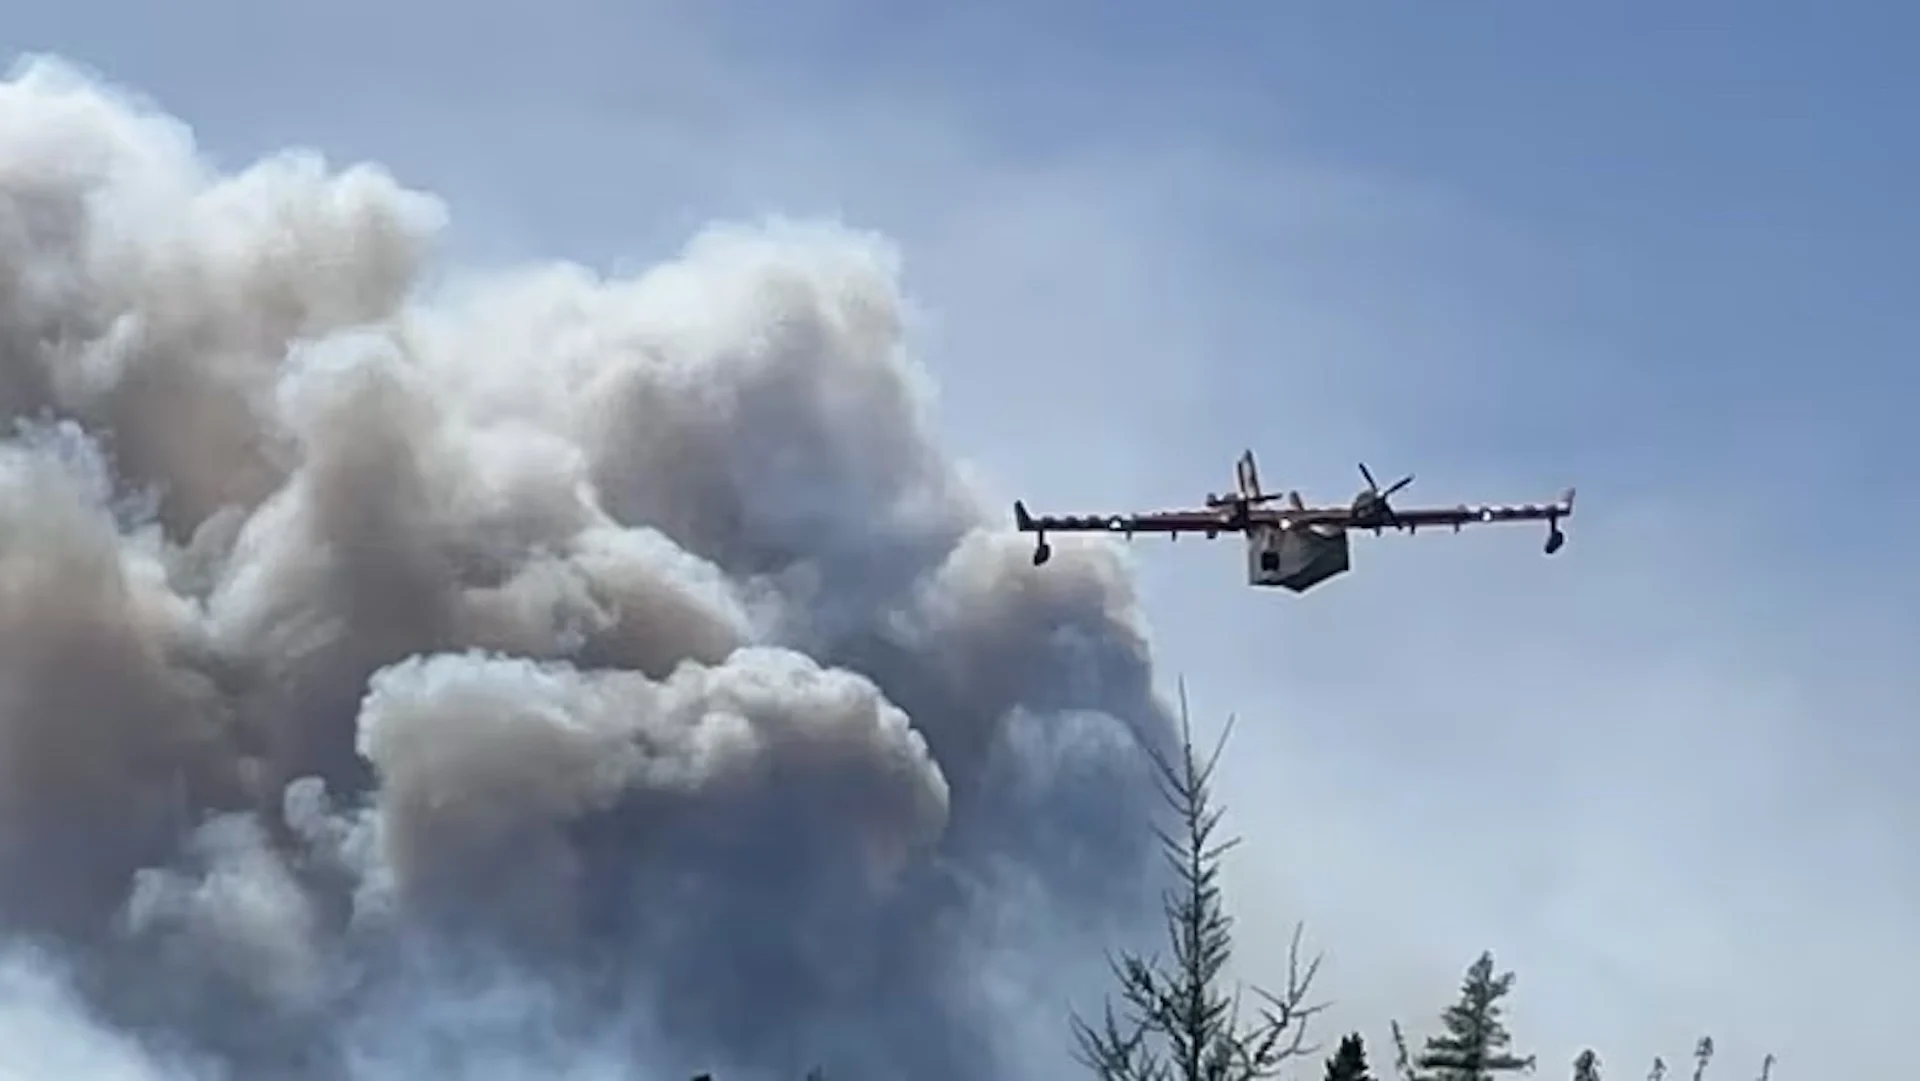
(1177, 1021)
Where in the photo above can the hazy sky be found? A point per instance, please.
(1660, 254)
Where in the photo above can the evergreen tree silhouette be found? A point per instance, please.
(1476, 1041)
(1349, 1063)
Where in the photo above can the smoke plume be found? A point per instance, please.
(406, 673)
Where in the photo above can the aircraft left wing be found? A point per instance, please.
(1492, 512)
(1421, 517)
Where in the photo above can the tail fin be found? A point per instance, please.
(1246, 476)
(1294, 500)
(1566, 500)
(1021, 519)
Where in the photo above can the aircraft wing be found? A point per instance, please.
(1492, 512)
(1297, 516)
(1176, 521)
(1420, 517)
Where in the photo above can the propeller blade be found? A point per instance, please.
(1399, 484)
(1371, 486)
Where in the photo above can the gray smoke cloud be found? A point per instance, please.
(406, 673)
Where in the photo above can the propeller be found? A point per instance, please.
(1377, 498)
(1374, 488)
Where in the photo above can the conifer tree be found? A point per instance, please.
(1178, 1022)
(1402, 1058)
(1349, 1063)
(1702, 1054)
(1475, 1045)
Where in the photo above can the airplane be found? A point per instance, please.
(1296, 547)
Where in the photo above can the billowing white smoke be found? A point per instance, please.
(536, 675)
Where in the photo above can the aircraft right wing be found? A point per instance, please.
(1178, 521)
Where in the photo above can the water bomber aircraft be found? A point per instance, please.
(1294, 546)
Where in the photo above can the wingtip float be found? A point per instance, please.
(1294, 547)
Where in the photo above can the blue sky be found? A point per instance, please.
(1661, 254)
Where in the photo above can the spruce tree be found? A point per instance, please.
(1702, 1054)
(1402, 1058)
(1475, 1045)
(1349, 1063)
(1178, 1023)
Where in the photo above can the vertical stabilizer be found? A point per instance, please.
(1246, 476)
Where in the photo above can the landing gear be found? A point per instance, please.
(1555, 538)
